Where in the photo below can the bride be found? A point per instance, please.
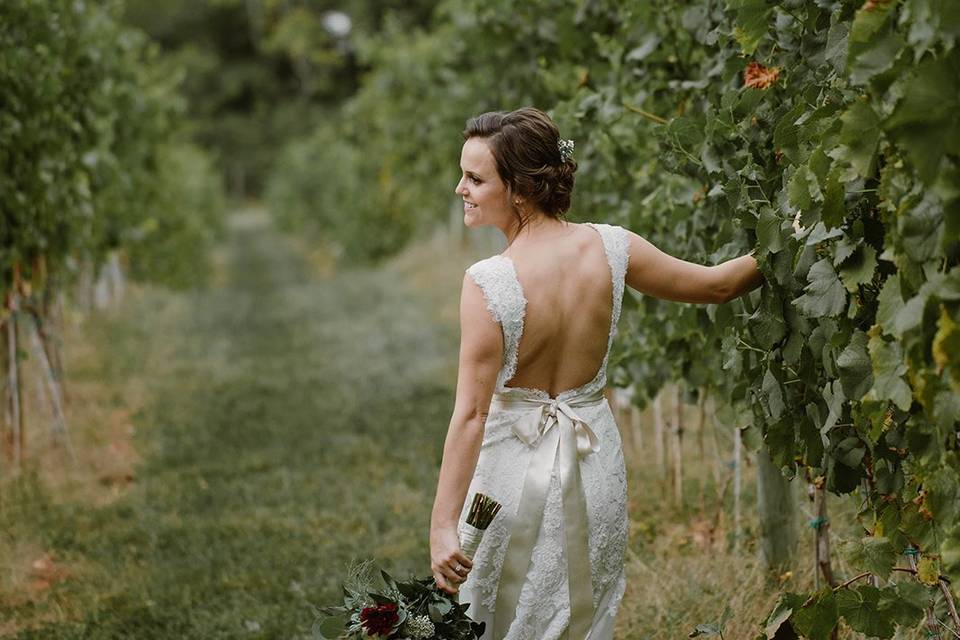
(530, 426)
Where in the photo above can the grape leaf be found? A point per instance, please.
(872, 553)
(890, 301)
(834, 397)
(863, 63)
(773, 395)
(909, 315)
(926, 119)
(888, 370)
(753, 17)
(858, 137)
(859, 607)
(803, 189)
(856, 369)
(867, 22)
(859, 269)
(907, 602)
(928, 570)
(817, 620)
(824, 295)
(946, 343)
(768, 230)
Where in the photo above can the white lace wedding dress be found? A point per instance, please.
(535, 596)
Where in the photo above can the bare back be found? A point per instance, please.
(568, 289)
(557, 302)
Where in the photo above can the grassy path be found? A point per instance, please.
(293, 423)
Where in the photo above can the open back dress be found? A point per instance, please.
(551, 564)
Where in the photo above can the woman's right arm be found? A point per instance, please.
(655, 273)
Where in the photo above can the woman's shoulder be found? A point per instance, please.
(490, 270)
(497, 262)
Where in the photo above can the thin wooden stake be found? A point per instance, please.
(951, 606)
(14, 395)
(53, 391)
(678, 447)
(822, 528)
(736, 488)
(658, 434)
(50, 352)
(636, 426)
(701, 428)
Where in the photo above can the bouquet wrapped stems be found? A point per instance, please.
(482, 511)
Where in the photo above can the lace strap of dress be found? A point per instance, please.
(616, 244)
(497, 279)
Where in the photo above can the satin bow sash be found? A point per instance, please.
(560, 438)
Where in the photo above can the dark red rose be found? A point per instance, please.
(379, 620)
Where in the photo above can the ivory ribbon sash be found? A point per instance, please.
(559, 437)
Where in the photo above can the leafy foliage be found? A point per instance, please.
(87, 144)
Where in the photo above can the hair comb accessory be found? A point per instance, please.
(566, 149)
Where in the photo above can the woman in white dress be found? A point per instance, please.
(530, 427)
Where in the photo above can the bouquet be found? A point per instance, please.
(415, 609)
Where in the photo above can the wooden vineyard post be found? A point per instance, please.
(14, 436)
(658, 434)
(951, 605)
(776, 511)
(677, 446)
(636, 426)
(737, 449)
(621, 406)
(701, 428)
(51, 352)
(630, 416)
(821, 528)
(44, 319)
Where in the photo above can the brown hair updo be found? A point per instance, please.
(525, 147)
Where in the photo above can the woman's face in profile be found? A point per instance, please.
(483, 192)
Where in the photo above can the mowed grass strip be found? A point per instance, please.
(295, 425)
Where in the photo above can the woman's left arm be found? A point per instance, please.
(653, 272)
(481, 352)
(740, 275)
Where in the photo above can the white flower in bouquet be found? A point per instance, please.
(421, 627)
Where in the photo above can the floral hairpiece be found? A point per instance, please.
(566, 149)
